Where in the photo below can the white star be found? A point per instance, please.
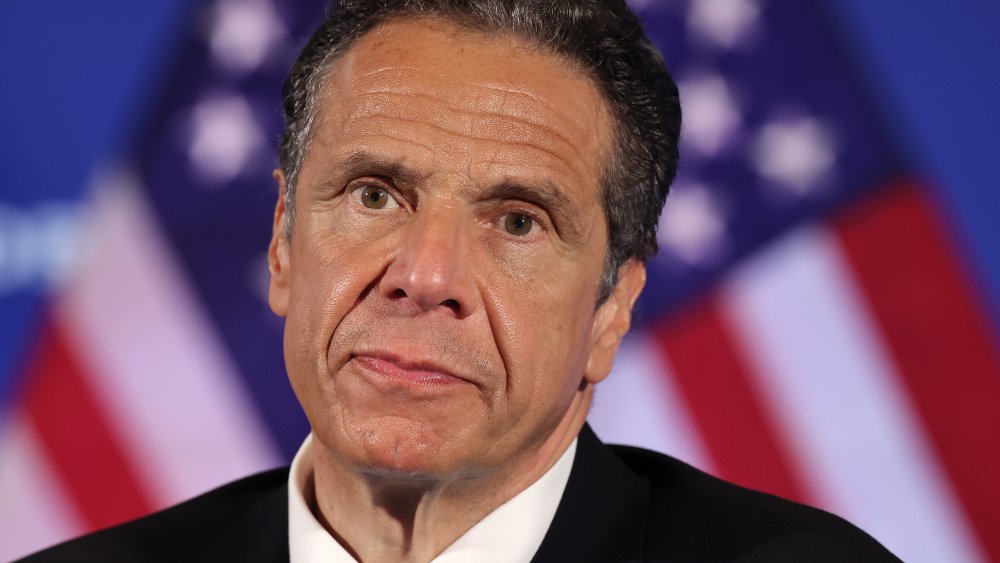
(243, 33)
(16, 250)
(795, 154)
(692, 225)
(722, 22)
(225, 137)
(41, 245)
(711, 117)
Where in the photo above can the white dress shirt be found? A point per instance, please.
(513, 532)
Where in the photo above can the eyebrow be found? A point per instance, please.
(363, 163)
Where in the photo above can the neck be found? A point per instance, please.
(379, 517)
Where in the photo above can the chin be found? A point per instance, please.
(400, 448)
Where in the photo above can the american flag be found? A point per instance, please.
(808, 328)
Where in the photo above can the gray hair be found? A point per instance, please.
(602, 37)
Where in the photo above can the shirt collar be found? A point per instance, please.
(512, 532)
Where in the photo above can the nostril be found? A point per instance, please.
(451, 304)
(398, 294)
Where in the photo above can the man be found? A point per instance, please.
(468, 191)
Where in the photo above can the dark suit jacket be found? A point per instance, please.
(620, 504)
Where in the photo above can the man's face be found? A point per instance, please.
(448, 244)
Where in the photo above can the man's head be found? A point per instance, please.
(455, 179)
(603, 38)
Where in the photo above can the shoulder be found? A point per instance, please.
(693, 513)
(252, 510)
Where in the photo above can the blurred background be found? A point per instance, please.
(821, 321)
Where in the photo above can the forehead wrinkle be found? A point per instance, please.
(531, 145)
(519, 131)
(376, 97)
(375, 139)
(568, 70)
(548, 108)
(356, 72)
(368, 139)
(461, 33)
(401, 69)
(499, 89)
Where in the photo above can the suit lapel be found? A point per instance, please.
(261, 535)
(602, 515)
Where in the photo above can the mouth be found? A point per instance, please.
(395, 369)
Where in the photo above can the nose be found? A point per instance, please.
(432, 269)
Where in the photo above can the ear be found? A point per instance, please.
(613, 319)
(278, 258)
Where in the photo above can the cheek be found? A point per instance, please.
(514, 267)
(335, 257)
(545, 336)
(331, 270)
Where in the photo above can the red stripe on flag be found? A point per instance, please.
(77, 437)
(711, 374)
(942, 343)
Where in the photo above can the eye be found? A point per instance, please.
(518, 224)
(374, 197)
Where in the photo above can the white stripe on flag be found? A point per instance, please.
(34, 512)
(153, 359)
(828, 380)
(639, 405)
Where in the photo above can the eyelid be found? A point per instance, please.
(522, 207)
(355, 186)
(537, 223)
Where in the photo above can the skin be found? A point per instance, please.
(439, 289)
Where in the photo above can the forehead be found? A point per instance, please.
(490, 103)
